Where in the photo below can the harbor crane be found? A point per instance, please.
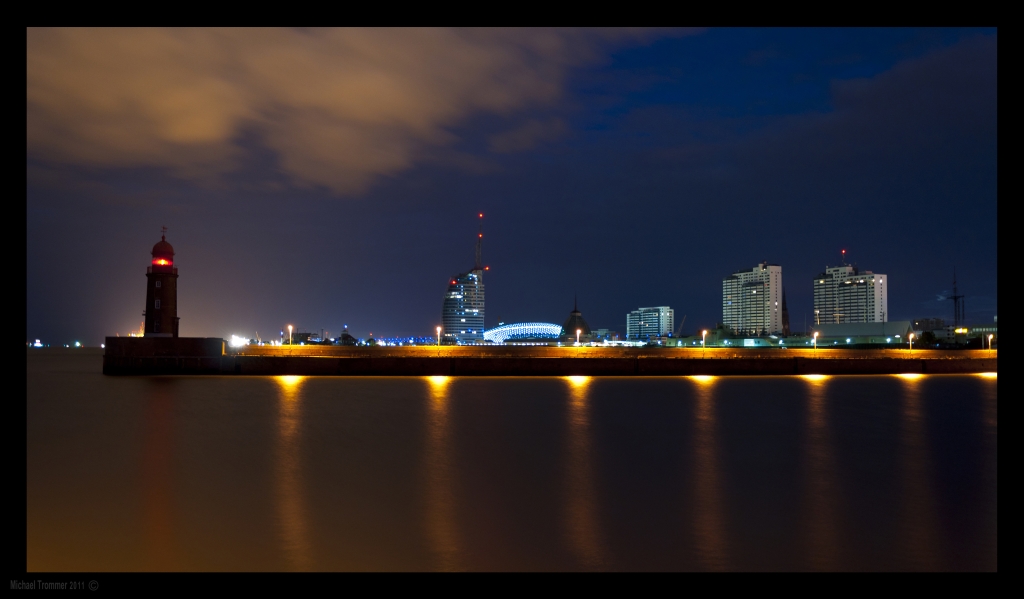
(680, 327)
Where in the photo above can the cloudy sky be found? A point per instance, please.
(329, 177)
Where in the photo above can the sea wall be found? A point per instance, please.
(164, 346)
(542, 362)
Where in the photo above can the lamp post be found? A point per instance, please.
(289, 334)
(910, 338)
(990, 342)
(439, 336)
(577, 336)
(703, 336)
(815, 339)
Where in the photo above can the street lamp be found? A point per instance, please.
(439, 336)
(815, 339)
(577, 336)
(990, 342)
(910, 338)
(703, 336)
(289, 334)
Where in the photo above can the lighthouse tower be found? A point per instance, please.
(162, 292)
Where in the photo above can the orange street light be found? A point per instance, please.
(703, 336)
(990, 342)
(910, 338)
(577, 336)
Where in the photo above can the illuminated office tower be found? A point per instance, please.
(847, 294)
(752, 300)
(462, 314)
(647, 323)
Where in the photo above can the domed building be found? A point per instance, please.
(575, 323)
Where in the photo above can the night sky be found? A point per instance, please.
(327, 177)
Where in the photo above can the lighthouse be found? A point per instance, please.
(162, 291)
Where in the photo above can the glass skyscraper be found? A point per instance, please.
(462, 317)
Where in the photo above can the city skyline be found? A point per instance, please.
(619, 176)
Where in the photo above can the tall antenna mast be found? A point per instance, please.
(844, 257)
(479, 241)
(958, 304)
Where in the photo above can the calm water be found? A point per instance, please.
(292, 473)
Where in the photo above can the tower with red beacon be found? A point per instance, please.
(162, 291)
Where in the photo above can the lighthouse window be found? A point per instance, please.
(157, 284)
(156, 304)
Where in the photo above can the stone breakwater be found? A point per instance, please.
(209, 356)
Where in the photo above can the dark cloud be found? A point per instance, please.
(338, 107)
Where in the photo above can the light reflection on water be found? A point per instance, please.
(823, 497)
(439, 473)
(709, 522)
(442, 528)
(158, 482)
(581, 511)
(918, 512)
(290, 487)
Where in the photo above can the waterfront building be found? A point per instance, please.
(345, 338)
(462, 314)
(649, 323)
(929, 324)
(845, 294)
(752, 300)
(523, 331)
(891, 333)
(575, 323)
(161, 315)
(604, 335)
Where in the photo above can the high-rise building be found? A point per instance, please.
(847, 294)
(752, 300)
(462, 314)
(646, 323)
(162, 292)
